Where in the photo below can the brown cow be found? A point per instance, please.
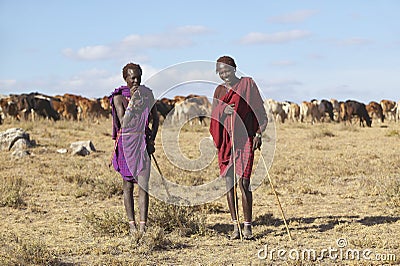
(309, 109)
(66, 107)
(105, 104)
(10, 108)
(375, 111)
(358, 109)
(163, 108)
(178, 99)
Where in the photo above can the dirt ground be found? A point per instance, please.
(339, 186)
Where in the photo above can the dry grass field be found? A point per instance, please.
(334, 182)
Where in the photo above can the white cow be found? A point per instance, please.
(309, 110)
(336, 109)
(277, 110)
(389, 109)
(294, 112)
(187, 111)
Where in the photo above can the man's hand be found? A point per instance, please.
(257, 142)
(150, 146)
(229, 109)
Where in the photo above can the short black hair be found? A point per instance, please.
(226, 60)
(130, 66)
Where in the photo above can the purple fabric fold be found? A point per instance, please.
(130, 156)
(125, 91)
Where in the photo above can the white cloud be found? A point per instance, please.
(192, 29)
(162, 41)
(171, 80)
(91, 83)
(278, 37)
(94, 52)
(135, 44)
(293, 17)
(89, 52)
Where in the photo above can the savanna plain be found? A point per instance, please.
(339, 187)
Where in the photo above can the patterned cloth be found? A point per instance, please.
(130, 157)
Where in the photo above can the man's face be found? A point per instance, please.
(133, 78)
(226, 72)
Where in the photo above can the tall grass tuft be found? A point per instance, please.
(322, 133)
(393, 133)
(392, 193)
(11, 191)
(187, 220)
(21, 251)
(107, 223)
(154, 239)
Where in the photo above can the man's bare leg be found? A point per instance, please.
(247, 203)
(230, 196)
(127, 187)
(143, 202)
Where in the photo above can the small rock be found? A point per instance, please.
(15, 138)
(62, 151)
(87, 144)
(80, 151)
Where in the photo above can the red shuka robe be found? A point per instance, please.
(248, 118)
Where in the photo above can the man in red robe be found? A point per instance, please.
(238, 118)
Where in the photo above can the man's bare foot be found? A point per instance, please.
(247, 232)
(235, 234)
(142, 227)
(132, 227)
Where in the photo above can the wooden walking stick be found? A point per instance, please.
(234, 180)
(276, 196)
(162, 177)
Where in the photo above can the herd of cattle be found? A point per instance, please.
(75, 107)
(67, 106)
(185, 108)
(333, 110)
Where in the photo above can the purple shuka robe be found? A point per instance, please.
(130, 157)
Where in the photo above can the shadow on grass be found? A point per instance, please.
(374, 220)
(318, 224)
(222, 228)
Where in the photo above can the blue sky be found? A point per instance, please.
(295, 50)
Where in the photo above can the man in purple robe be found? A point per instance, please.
(133, 106)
